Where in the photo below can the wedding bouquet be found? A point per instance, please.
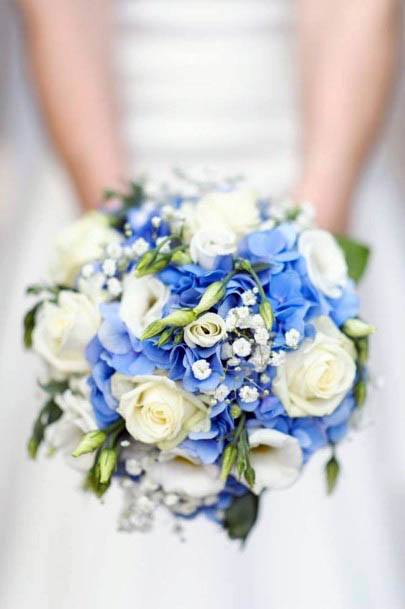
(200, 346)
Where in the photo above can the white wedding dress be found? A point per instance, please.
(202, 82)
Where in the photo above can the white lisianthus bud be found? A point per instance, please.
(326, 264)
(314, 379)
(205, 331)
(207, 244)
(107, 463)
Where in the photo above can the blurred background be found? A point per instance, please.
(346, 552)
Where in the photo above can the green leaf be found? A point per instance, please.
(332, 471)
(49, 414)
(357, 255)
(241, 516)
(29, 325)
(54, 387)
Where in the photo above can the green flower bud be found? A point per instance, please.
(213, 294)
(266, 312)
(236, 411)
(362, 351)
(89, 443)
(356, 328)
(181, 258)
(332, 470)
(360, 393)
(107, 462)
(153, 329)
(160, 262)
(250, 476)
(228, 460)
(165, 337)
(146, 260)
(179, 318)
(32, 447)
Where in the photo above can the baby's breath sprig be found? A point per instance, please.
(265, 308)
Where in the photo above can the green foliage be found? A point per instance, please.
(29, 324)
(357, 255)
(241, 516)
(49, 414)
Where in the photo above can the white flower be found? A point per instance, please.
(140, 247)
(201, 369)
(163, 244)
(256, 321)
(80, 243)
(260, 358)
(238, 317)
(156, 221)
(249, 298)
(205, 331)
(114, 250)
(88, 270)
(242, 347)
(292, 338)
(114, 286)
(235, 210)
(261, 336)
(93, 287)
(76, 420)
(63, 330)
(248, 394)
(181, 476)
(276, 458)
(208, 243)
(316, 377)
(109, 267)
(143, 299)
(326, 264)
(277, 358)
(221, 392)
(157, 410)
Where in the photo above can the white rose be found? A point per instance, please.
(143, 299)
(76, 420)
(63, 330)
(235, 211)
(157, 410)
(207, 244)
(205, 331)
(81, 242)
(314, 379)
(176, 473)
(326, 264)
(276, 458)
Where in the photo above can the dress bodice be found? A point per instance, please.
(209, 82)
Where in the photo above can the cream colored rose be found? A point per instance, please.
(143, 299)
(316, 377)
(326, 264)
(205, 331)
(177, 473)
(81, 242)
(157, 410)
(235, 211)
(276, 458)
(63, 330)
(209, 243)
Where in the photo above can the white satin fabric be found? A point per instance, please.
(204, 82)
